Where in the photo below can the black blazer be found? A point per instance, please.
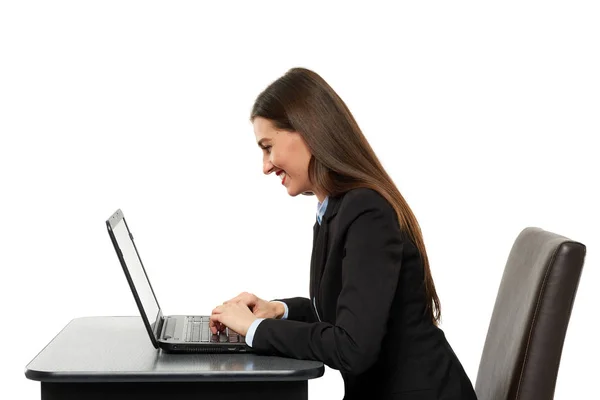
(366, 313)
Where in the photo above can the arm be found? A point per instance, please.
(370, 273)
(282, 315)
(299, 309)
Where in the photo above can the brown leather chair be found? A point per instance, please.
(526, 334)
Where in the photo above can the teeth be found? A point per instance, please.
(282, 175)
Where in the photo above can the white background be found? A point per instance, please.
(486, 117)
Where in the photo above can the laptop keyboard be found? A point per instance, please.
(198, 331)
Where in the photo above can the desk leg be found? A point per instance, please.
(288, 390)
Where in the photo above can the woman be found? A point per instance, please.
(373, 309)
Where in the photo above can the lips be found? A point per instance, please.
(279, 174)
(283, 178)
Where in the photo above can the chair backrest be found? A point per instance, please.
(527, 330)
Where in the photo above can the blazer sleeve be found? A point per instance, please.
(370, 274)
(299, 309)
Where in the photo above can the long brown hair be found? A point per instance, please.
(342, 159)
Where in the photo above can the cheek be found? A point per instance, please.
(283, 158)
(276, 159)
(291, 158)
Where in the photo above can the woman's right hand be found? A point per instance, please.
(259, 307)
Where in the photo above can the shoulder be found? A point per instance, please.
(363, 200)
(365, 196)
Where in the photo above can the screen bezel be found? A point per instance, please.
(115, 219)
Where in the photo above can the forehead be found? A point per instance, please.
(263, 128)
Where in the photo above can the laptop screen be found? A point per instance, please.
(135, 268)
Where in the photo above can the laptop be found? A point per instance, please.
(173, 333)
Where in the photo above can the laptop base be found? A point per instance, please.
(193, 348)
(176, 338)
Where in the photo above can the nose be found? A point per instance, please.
(267, 167)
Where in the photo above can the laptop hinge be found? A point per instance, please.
(159, 328)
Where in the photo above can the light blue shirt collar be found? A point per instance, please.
(321, 207)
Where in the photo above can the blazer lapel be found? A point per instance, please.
(320, 242)
(313, 258)
(321, 253)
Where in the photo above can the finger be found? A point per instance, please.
(239, 297)
(219, 327)
(246, 298)
(216, 321)
(249, 299)
(236, 298)
(213, 327)
(215, 324)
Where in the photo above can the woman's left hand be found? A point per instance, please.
(236, 316)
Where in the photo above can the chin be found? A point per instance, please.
(292, 192)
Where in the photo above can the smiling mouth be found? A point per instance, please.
(282, 175)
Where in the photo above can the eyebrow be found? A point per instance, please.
(260, 142)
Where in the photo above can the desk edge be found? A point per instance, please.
(70, 377)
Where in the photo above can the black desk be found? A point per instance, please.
(112, 358)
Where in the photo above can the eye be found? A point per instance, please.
(267, 149)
